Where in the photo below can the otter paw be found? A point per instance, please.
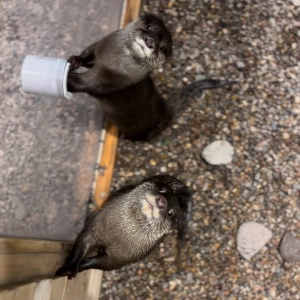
(65, 271)
(75, 61)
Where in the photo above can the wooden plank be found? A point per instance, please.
(21, 267)
(22, 292)
(42, 290)
(94, 285)
(106, 167)
(131, 12)
(85, 286)
(58, 288)
(109, 151)
(14, 245)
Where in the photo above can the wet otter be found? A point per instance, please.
(131, 223)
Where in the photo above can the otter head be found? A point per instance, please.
(160, 206)
(150, 40)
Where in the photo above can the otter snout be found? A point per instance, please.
(154, 206)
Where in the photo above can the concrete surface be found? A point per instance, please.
(48, 146)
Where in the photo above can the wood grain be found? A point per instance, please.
(14, 245)
(22, 292)
(21, 267)
(58, 288)
(86, 286)
(22, 259)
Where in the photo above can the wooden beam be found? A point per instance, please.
(131, 12)
(58, 288)
(15, 245)
(106, 167)
(86, 286)
(22, 292)
(23, 259)
(104, 174)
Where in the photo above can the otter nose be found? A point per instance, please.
(161, 202)
(149, 42)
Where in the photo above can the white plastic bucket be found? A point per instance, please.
(45, 76)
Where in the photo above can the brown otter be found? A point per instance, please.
(131, 223)
(118, 76)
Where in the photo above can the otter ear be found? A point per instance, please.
(176, 185)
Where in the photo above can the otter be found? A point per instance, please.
(118, 76)
(130, 225)
(121, 59)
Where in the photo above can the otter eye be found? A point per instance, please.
(149, 27)
(170, 213)
(162, 48)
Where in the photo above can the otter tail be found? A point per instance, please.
(178, 103)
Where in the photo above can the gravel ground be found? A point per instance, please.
(257, 44)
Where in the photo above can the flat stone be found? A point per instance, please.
(163, 169)
(218, 153)
(290, 248)
(189, 278)
(240, 65)
(251, 238)
(296, 186)
(297, 215)
(296, 2)
(200, 77)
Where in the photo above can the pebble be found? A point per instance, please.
(200, 77)
(296, 186)
(218, 152)
(179, 28)
(251, 238)
(297, 215)
(286, 136)
(152, 162)
(296, 2)
(240, 65)
(189, 278)
(163, 169)
(289, 248)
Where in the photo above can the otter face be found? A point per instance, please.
(160, 206)
(151, 40)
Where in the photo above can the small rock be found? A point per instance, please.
(163, 169)
(296, 186)
(196, 53)
(286, 136)
(251, 198)
(297, 215)
(289, 248)
(296, 2)
(251, 238)
(179, 28)
(152, 162)
(240, 65)
(189, 278)
(274, 125)
(218, 153)
(200, 77)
